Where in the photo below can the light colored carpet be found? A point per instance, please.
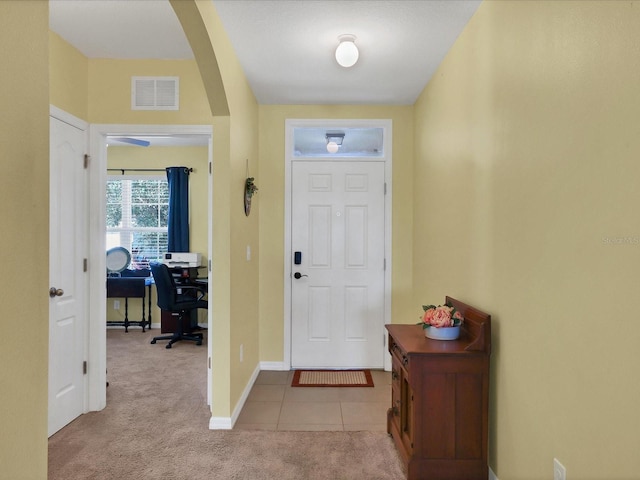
(155, 426)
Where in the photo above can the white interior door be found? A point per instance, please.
(337, 225)
(67, 251)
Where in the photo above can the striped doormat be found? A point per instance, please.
(332, 378)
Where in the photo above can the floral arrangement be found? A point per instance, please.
(440, 316)
(250, 187)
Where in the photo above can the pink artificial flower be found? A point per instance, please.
(442, 317)
(428, 316)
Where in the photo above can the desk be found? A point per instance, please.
(134, 287)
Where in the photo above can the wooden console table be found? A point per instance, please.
(440, 399)
(130, 287)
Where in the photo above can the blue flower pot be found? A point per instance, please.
(442, 333)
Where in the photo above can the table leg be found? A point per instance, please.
(126, 314)
(149, 307)
(143, 323)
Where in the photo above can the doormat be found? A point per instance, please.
(332, 378)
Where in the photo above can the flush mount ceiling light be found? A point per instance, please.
(347, 52)
(334, 141)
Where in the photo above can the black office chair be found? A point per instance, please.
(170, 300)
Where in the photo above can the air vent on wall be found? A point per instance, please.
(155, 93)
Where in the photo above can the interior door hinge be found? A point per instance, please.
(86, 161)
(85, 265)
(209, 363)
(84, 367)
(210, 168)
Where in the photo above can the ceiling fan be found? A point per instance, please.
(132, 141)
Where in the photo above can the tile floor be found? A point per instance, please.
(273, 404)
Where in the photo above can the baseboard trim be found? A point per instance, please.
(220, 423)
(227, 423)
(277, 366)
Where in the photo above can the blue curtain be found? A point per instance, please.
(178, 178)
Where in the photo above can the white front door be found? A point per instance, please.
(67, 251)
(337, 226)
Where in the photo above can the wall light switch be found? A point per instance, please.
(116, 304)
(248, 252)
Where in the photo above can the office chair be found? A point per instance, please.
(170, 300)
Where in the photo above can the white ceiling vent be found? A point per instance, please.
(155, 93)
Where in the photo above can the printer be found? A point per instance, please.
(182, 259)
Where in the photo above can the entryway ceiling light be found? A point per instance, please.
(334, 141)
(347, 52)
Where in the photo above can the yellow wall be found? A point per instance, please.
(68, 77)
(160, 158)
(235, 143)
(24, 209)
(272, 167)
(110, 92)
(243, 230)
(526, 195)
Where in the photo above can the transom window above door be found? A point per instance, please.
(310, 142)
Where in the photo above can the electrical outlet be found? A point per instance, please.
(116, 304)
(559, 472)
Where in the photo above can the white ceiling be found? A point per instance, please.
(120, 28)
(286, 46)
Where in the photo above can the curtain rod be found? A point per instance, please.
(142, 170)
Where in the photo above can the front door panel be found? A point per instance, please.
(338, 299)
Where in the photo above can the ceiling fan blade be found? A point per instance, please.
(133, 141)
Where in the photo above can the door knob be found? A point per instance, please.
(55, 292)
(298, 275)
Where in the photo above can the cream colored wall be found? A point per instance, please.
(24, 209)
(68, 77)
(110, 92)
(526, 194)
(243, 230)
(271, 181)
(235, 278)
(160, 158)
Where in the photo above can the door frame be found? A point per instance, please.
(97, 245)
(335, 124)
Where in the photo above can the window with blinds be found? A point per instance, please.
(137, 212)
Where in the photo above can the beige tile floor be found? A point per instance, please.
(274, 404)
